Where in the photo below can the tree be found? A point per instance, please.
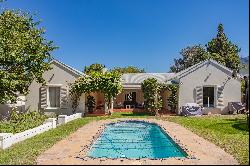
(108, 83)
(96, 67)
(151, 91)
(24, 54)
(128, 69)
(173, 98)
(190, 56)
(223, 50)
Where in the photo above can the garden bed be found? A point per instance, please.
(21, 122)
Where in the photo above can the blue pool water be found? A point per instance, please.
(134, 139)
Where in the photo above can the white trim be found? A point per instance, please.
(186, 72)
(48, 102)
(77, 72)
(54, 85)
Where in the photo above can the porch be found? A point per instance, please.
(129, 100)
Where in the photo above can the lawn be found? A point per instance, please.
(228, 132)
(27, 151)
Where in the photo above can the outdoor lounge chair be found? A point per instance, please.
(140, 105)
(191, 109)
(236, 107)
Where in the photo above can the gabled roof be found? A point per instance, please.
(185, 72)
(138, 78)
(75, 71)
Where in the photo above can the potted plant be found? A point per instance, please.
(90, 103)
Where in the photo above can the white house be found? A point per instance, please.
(207, 83)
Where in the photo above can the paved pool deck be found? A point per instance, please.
(73, 149)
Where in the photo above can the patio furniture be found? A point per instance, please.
(140, 106)
(236, 107)
(119, 105)
(100, 105)
(129, 104)
(191, 109)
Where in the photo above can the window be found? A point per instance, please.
(208, 96)
(54, 97)
(130, 96)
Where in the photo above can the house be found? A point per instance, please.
(207, 83)
(210, 85)
(54, 96)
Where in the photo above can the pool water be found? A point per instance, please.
(134, 139)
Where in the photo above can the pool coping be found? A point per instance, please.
(199, 150)
(85, 151)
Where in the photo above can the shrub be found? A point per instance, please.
(22, 121)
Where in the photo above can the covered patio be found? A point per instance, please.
(129, 100)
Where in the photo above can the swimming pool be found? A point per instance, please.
(134, 139)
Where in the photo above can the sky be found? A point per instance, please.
(145, 33)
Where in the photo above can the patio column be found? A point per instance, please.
(106, 107)
(112, 103)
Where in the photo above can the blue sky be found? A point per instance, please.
(144, 33)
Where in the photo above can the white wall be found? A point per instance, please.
(58, 75)
(209, 74)
(8, 139)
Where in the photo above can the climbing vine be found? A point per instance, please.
(173, 100)
(151, 91)
(108, 83)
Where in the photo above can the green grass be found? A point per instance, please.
(228, 132)
(27, 151)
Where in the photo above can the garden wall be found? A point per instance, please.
(8, 139)
(62, 119)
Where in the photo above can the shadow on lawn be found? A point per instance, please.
(239, 124)
(230, 126)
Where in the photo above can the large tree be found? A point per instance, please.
(219, 48)
(128, 69)
(24, 54)
(190, 56)
(223, 50)
(95, 67)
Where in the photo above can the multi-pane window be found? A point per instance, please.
(208, 96)
(54, 97)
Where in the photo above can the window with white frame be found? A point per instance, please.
(53, 97)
